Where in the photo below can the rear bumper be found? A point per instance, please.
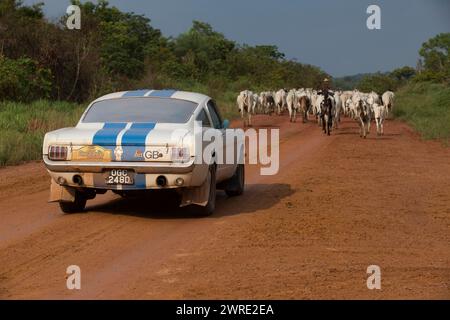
(99, 167)
(93, 174)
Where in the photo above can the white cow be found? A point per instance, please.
(268, 102)
(344, 97)
(292, 104)
(337, 110)
(316, 100)
(361, 108)
(261, 102)
(255, 105)
(280, 100)
(380, 114)
(388, 100)
(373, 98)
(245, 105)
(313, 102)
(349, 108)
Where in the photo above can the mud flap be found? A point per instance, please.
(197, 195)
(61, 193)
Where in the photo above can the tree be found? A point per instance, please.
(435, 57)
(377, 82)
(403, 74)
(123, 38)
(23, 79)
(204, 49)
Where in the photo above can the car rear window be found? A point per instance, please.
(161, 110)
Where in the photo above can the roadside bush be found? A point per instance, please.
(23, 80)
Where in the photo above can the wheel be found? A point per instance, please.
(208, 210)
(235, 186)
(76, 206)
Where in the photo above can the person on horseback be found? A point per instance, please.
(326, 109)
(325, 90)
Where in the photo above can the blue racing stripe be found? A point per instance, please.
(137, 134)
(133, 141)
(162, 93)
(135, 93)
(107, 136)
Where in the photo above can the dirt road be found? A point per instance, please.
(338, 205)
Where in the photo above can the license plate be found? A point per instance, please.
(120, 176)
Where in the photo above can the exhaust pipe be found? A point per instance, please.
(77, 179)
(161, 181)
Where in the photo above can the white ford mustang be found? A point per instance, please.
(143, 140)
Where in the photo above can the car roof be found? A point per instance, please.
(149, 93)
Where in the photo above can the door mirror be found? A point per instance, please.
(225, 124)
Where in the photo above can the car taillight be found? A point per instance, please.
(57, 153)
(180, 154)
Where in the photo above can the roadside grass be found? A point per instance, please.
(426, 106)
(228, 106)
(22, 127)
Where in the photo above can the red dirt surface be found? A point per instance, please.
(337, 205)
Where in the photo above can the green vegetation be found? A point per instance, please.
(23, 126)
(23, 79)
(349, 82)
(378, 82)
(426, 106)
(435, 63)
(381, 82)
(49, 71)
(116, 50)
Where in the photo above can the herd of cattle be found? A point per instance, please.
(326, 106)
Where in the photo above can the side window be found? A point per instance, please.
(203, 117)
(214, 115)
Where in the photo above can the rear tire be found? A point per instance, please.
(73, 207)
(235, 186)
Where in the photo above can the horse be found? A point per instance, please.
(326, 113)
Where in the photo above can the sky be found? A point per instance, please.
(331, 34)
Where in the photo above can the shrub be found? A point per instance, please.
(23, 80)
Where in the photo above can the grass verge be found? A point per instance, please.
(22, 127)
(426, 106)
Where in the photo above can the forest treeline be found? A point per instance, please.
(115, 50)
